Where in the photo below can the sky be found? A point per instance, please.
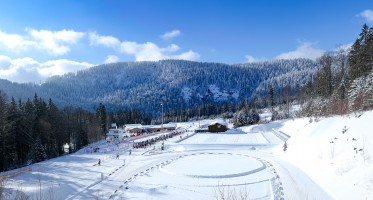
(42, 38)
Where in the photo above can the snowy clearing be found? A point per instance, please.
(327, 159)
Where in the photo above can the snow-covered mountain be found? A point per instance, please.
(178, 83)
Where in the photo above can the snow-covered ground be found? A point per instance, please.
(328, 158)
(336, 152)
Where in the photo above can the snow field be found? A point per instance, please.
(323, 161)
(182, 175)
(335, 152)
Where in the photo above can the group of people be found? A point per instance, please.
(144, 143)
(149, 142)
(99, 160)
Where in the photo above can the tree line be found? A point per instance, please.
(344, 80)
(35, 130)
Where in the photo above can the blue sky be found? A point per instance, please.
(41, 38)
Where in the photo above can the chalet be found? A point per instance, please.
(217, 127)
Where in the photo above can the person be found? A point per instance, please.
(99, 162)
(285, 147)
(130, 152)
(118, 156)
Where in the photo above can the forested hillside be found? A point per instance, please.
(177, 83)
(344, 80)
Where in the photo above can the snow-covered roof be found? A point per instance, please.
(160, 126)
(132, 126)
(219, 122)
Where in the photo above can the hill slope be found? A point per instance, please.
(335, 151)
(180, 84)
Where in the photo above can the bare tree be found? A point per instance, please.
(226, 193)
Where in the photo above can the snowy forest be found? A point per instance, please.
(81, 105)
(178, 84)
(35, 130)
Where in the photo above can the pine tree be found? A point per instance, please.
(57, 135)
(101, 114)
(324, 76)
(271, 96)
(361, 54)
(13, 121)
(354, 60)
(4, 134)
(25, 131)
(37, 153)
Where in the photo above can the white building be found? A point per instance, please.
(116, 133)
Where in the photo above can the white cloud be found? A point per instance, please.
(304, 50)
(111, 59)
(4, 62)
(19, 70)
(108, 41)
(55, 42)
(61, 66)
(189, 55)
(252, 59)
(151, 52)
(26, 69)
(367, 15)
(171, 34)
(14, 41)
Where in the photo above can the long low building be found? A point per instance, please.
(138, 128)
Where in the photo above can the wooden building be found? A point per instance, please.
(217, 127)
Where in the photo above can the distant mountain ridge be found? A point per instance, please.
(177, 83)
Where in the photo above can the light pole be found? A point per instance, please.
(162, 115)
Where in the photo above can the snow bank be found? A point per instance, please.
(336, 152)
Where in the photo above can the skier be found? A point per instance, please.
(285, 147)
(99, 162)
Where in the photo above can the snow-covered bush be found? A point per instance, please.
(243, 118)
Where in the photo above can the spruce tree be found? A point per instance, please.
(361, 54)
(37, 153)
(271, 96)
(324, 76)
(4, 134)
(101, 114)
